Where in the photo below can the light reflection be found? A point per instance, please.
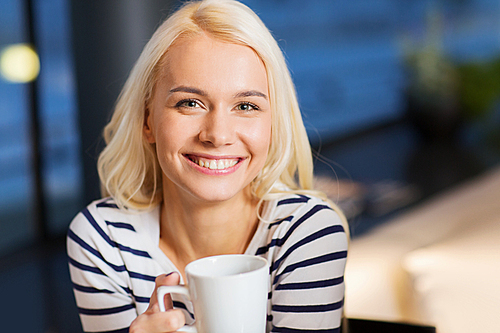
(19, 63)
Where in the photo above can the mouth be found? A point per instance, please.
(214, 164)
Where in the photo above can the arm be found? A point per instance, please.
(101, 283)
(99, 277)
(308, 274)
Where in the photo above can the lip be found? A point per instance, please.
(214, 172)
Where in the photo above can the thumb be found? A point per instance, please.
(171, 279)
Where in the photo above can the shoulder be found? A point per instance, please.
(104, 236)
(105, 212)
(103, 221)
(97, 215)
(305, 218)
(305, 233)
(302, 208)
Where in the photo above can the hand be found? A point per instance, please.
(155, 321)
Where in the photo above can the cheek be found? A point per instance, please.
(172, 131)
(261, 139)
(168, 139)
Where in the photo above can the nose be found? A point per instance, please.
(218, 128)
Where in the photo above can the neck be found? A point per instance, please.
(192, 230)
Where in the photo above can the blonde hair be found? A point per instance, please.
(128, 166)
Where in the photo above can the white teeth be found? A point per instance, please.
(213, 165)
(216, 164)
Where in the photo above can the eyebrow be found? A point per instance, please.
(191, 90)
(200, 92)
(250, 93)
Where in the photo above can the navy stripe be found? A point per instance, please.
(264, 249)
(319, 234)
(301, 220)
(308, 308)
(140, 299)
(310, 285)
(106, 311)
(91, 290)
(297, 330)
(121, 225)
(107, 205)
(281, 241)
(142, 276)
(83, 244)
(301, 199)
(181, 305)
(139, 253)
(91, 220)
(90, 249)
(85, 267)
(270, 317)
(311, 262)
(278, 222)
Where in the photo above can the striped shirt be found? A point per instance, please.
(114, 259)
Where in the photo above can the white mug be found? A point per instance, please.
(228, 292)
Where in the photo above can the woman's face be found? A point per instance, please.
(210, 119)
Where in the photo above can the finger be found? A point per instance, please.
(171, 279)
(168, 321)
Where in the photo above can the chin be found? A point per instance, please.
(219, 194)
(216, 198)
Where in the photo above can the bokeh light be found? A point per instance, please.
(19, 63)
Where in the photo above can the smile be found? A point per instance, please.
(214, 164)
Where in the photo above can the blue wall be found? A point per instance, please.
(347, 57)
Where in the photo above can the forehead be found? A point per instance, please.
(200, 43)
(201, 57)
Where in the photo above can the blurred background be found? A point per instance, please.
(400, 100)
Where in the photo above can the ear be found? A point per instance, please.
(147, 128)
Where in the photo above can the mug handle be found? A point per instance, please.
(163, 290)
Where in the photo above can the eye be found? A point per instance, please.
(246, 106)
(188, 103)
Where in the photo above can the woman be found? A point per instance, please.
(207, 154)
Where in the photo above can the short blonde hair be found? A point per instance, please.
(128, 166)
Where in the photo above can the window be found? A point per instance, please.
(56, 111)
